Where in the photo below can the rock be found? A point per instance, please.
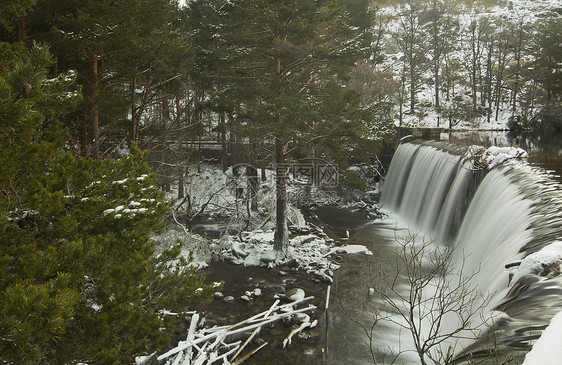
(371, 291)
(295, 294)
(282, 273)
(257, 292)
(245, 298)
(218, 295)
(303, 317)
(268, 256)
(292, 263)
(229, 299)
(551, 270)
(238, 250)
(232, 260)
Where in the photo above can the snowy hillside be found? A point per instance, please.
(487, 51)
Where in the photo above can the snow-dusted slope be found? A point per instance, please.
(517, 12)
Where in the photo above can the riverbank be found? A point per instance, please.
(314, 270)
(233, 245)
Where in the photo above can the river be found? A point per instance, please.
(342, 336)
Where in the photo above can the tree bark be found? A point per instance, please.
(134, 129)
(412, 90)
(281, 236)
(222, 135)
(181, 179)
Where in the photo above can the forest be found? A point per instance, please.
(106, 104)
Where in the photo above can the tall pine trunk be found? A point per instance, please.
(281, 236)
(134, 124)
(181, 178)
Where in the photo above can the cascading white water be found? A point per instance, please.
(494, 229)
(452, 210)
(512, 213)
(398, 173)
(422, 186)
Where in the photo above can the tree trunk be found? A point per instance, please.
(412, 90)
(402, 92)
(180, 149)
(437, 104)
(94, 113)
(253, 186)
(518, 70)
(222, 134)
(281, 236)
(133, 112)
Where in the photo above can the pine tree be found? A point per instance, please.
(113, 45)
(79, 280)
(296, 56)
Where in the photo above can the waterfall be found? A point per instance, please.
(514, 211)
(428, 187)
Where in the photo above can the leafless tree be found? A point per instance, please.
(429, 296)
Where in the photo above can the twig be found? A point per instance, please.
(181, 225)
(294, 332)
(245, 357)
(256, 331)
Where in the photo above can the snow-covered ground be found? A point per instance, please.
(223, 196)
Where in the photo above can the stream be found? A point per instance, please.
(337, 339)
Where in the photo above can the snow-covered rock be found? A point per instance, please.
(495, 156)
(295, 294)
(536, 263)
(238, 249)
(245, 298)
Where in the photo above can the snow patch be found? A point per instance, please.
(355, 249)
(547, 349)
